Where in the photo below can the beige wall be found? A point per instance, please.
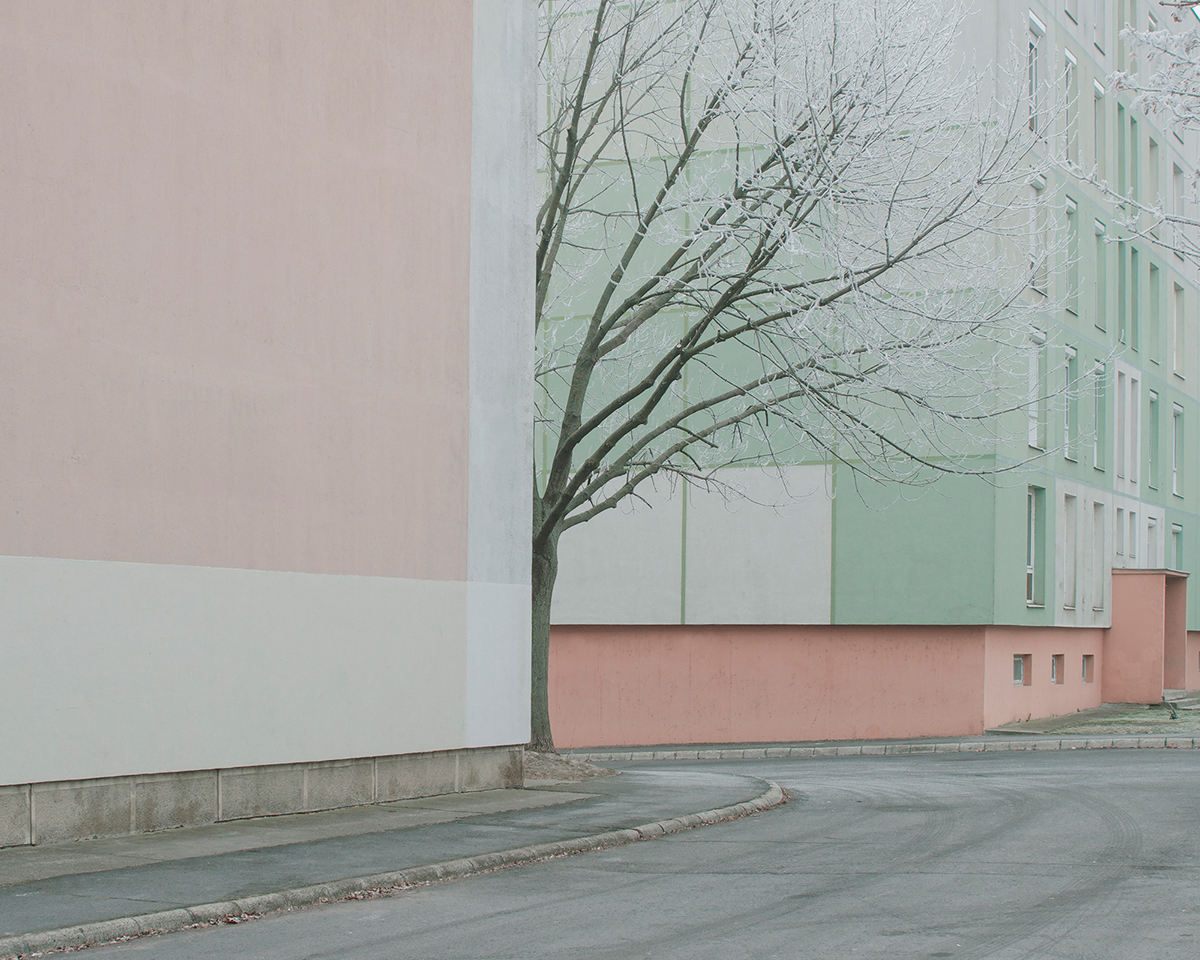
(234, 281)
(265, 325)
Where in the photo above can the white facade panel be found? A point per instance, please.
(115, 669)
(762, 556)
(623, 566)
(500, 473)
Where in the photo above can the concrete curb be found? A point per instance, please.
(893, 749)
(183, 918)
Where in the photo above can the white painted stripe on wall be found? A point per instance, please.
(113, 668)
(501, 403)
(502, 279)
(498, 624)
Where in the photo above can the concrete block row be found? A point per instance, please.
(72, 810)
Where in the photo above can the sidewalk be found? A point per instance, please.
(95, 891)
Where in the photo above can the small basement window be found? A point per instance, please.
(1089, 668)
(1022, 669)
(1057, 668)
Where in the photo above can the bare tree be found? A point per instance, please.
(770, 228)
(1166, 84)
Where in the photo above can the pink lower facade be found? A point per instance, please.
(676, 684)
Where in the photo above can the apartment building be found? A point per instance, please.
(843, 609)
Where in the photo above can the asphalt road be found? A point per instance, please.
(1083, 854)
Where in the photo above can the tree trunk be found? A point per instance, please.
(545, 570)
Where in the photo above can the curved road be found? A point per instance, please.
(1083, 854)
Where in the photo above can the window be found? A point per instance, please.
(1072, 9)
(1135, 186)
(1122, 150)
(1134, 295)
(1151, 542)
(1177, 196)
(1037, 390)
(1099, 412)
(1099, 557)
(1179, 338)
(1177, 450)
(1022, 669)
(1034, 70)
(1070, 555)
(1152, 461)
(1122, 294)
(1099, 144)
(1119, 439)
(1154, 319)
(1089, 668)
(1071, 404)
(1132, 409)
(1176, 547)
(1038, 271)
(1100, 11)
(1057, 671)
(1100, 279)
(1152, 177)
(1071, 111)
(1119, 537)
(1133, 536)
(1035, 546)
(1072, 257)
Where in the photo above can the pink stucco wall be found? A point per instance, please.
(1006, 701)
(697, 684)
(234, 288)
(1146, 645)
(1192, 663)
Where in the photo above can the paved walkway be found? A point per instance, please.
(71, 894)
(993, 741)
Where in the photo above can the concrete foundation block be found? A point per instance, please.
(852, 750)
(82, 809)
(873, 749)
(261, 791)
(14, 815)
(1180, 743)
(339, 783)
(415, 775)
(168, 800)
(825, 751)
(492, 768)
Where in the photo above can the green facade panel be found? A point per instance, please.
(925, 557)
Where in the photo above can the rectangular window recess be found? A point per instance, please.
(1089, 668)
(1057, 667)
(1022, 670)
(1036, 26)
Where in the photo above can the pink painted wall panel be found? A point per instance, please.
(1192, 671)
(234, 283)
(1133, 646)
(728, 684)
(1175, 634)
(1005, 701)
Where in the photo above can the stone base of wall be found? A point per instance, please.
(118, 806)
